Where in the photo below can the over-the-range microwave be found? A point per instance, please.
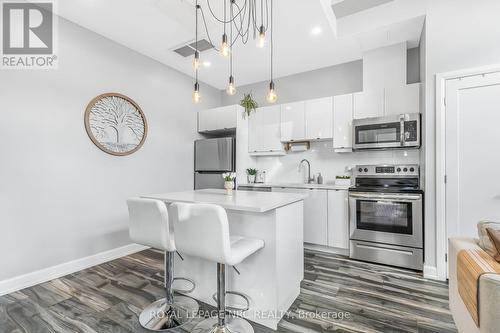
(389, 132)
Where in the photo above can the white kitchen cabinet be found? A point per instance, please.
(217, 119)
(315, 214)
(318, 118)
(402, 99)
(264, 130)
(338, 219)
(293, 121)
(342, 121)
(369, 104)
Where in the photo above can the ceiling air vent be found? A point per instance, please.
(188, 50)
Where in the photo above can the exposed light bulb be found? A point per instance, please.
(196, 60)
(261, 40)
(231, 89)
(196, 93)
(271, 94)
(224, 48)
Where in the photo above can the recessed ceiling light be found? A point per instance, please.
(316, 31)
(207, 64)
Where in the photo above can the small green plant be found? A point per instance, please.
(249, 104)
(229, 176)
(343, 177)
(251, 171)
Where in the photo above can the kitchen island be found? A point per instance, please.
(271, 277)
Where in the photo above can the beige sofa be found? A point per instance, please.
(489, 294)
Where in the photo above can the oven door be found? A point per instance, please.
(389, 218)
(377, 135)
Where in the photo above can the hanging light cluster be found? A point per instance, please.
(243, 22)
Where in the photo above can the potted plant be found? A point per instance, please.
(229, 178)
(251, 173)
(343, 180)
(249, 104)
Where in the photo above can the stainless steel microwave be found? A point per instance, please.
(390, 132)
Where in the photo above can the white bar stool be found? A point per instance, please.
(202, 230)
(149, 225)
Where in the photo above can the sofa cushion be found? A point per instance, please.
(484, 240)
(495, 239)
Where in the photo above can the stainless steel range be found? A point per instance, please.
(386, 215)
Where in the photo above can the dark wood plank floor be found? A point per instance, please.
(337, 295)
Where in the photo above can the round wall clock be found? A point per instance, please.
(116, 124)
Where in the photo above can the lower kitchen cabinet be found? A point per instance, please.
(315, 214)
(338, 219)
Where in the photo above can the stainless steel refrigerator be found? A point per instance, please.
(213, 157)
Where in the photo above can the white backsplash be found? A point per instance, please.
(284, 169)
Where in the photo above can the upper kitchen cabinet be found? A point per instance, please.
(369, 104)
(342, 122)
(393, 100)
(264, 131)
(402, 99)
(318, 118)
(293, 121)
(218, 119)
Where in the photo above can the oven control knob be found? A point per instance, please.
(398, 169)
(412, 169)
(366, 169)
(360, 170)
(405, 169)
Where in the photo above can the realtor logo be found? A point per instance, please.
(28, 34)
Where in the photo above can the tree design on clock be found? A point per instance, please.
(116, 124)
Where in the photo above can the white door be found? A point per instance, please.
(226, 117)
(472, 160)
(270, 129)
(338, 219)
(319, 114)
(293, 121)
(369, 104)
(315, 214)
(402, 99)
(342, 121)
(254, 120)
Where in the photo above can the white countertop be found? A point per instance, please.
(259, 202)
(298, 185)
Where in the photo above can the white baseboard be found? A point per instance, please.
(430, 272)
(54, 272)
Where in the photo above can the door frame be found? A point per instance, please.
(440, 105)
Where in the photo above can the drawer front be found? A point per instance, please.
(399, 256)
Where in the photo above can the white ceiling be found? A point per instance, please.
(156, 27)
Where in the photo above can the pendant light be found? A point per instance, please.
(261, 39)
(243, 15)
(196, 62)
(231, 89)
(224, 47)
(271, 94)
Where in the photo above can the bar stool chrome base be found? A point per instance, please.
(232, 325)
(160, 317)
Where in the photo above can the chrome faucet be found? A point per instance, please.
(309, 179)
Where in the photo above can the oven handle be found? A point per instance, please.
(371, 247)
(402, 130)
(386, 197)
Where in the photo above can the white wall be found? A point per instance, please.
(460, 34)
(334, 80)
(62, 198)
